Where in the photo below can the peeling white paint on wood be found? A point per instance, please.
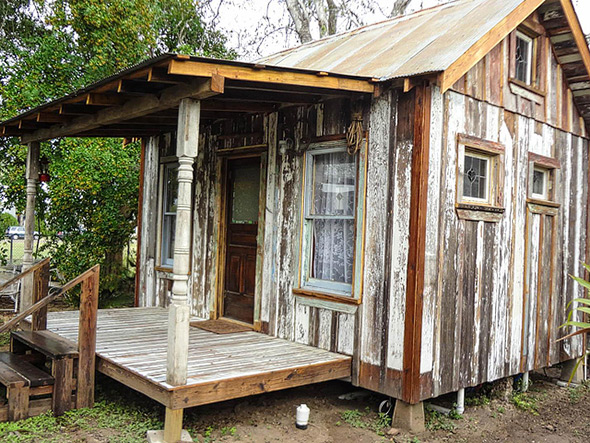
(378, 158)
(399, 255)
(433, 208)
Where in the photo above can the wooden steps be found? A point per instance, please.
(32, 374)
(47, 343)
(22, 381)
(62, 354)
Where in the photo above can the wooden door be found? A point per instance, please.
(243, 185)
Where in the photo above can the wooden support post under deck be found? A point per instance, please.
(32, 180)
(179, 310)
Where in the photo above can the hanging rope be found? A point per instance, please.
(354, 134)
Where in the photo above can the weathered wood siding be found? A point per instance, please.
(326, 325)
(495, 292)
(489, 81)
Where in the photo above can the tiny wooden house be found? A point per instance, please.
(412, 194)
(438, 253)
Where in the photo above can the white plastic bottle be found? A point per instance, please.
(302, 416)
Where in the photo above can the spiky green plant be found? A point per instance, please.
(582, 307)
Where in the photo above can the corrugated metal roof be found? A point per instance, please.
(426, 41)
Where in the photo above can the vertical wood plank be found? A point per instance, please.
(173, 425)
(87, 341)
(18, 402)
(62, 371)
(40, 291)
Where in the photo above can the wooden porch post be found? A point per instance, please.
(26, 294)
(179, 310)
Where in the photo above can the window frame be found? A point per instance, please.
(469, 208)
(164, 243)
(309, 286)
(551, 167)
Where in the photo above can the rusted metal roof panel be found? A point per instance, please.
(426, 41)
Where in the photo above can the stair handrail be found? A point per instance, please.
(48, 299)
(86, 329)
(16, 278)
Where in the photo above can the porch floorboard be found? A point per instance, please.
(131, 348)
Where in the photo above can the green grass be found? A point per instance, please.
(365, 420)
(525, 402)
(436, 421)
(116, 418)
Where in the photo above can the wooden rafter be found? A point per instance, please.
(134, 108)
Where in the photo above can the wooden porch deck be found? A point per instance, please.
(131, 348)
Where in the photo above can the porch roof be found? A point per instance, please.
(143, 100)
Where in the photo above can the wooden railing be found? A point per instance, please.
(87, 323)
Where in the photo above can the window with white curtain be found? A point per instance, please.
(329, 220)
(169, 202)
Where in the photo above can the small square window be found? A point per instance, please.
(540, 183)
(476, 177)
(524, 58)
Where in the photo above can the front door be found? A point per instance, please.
(243, 185)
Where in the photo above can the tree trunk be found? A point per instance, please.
(301, 20)
(399, 7)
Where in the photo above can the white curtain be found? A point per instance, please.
(332, 209)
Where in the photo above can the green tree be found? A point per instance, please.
(49, 48)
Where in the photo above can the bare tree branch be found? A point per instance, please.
(301, 19)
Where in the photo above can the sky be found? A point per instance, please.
(239, 18)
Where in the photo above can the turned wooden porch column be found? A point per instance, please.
(179, 310)
(32, 181)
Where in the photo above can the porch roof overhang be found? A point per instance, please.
(143, 100)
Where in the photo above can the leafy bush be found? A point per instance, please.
(6, 220)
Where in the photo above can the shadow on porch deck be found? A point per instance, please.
(131, 348)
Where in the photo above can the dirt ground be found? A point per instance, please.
(547, 413)
(561, 415)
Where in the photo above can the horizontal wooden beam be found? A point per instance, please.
(76, 109)
(50, 117)
(237, 106)
(242, 386)
(105, 99)
(203, 69)
(134, 108)
(160, 75)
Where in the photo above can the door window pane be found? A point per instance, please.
(245, 192)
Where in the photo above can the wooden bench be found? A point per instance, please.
(22, 381)
(61, 353)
